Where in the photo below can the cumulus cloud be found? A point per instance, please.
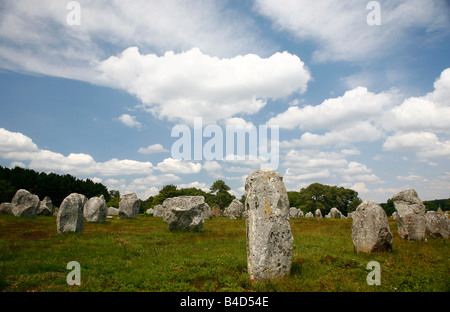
(130, 121)
(181, 86)
(152, 149)
(170, 165)
(355, 105)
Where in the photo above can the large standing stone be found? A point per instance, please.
(185, 213)
(370, 228)
(158, 211)
(45, 207)
(70, 214)
(235, 210)
(129, 206)
(269, 236)
(437, 224)
(334, 214)
(410, 215)
(25, 204)
(95, 210)
(293, 213)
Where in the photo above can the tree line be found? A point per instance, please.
(56, 186)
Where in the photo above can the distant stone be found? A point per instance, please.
(216, 211)
(6, 208)
(410, 215)
(437, 224)
(185, 213)
(318, 214)
(113, 211)
(335, 213)
(300, 213)
(370, 228)
(150, 211)
(208, 214)
(158, 211)
(309, 215)
(70, 214)
(129, 206)
(25, 204)
(394, 215)
(235, 210)
(95, 210)
(45, 207)
(269, 236)
(293, 213)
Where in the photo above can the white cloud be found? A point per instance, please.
(130, 121)
(181, 86)
(170, 165)
(211, 166)
(424, 144)
(340, 27)
(196, 184)
(152, 149)
(334, 113)
(19, 147)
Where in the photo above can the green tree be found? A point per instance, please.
(219, 186)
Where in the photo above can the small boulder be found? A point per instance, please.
(129, 206)
(70, 214)
(293, 213)
(410, 215)
(113, 211)
(370, 228)
(95, 210)
(150, 211)
(309, 215)
(437, 224)
(25, 204)
(45, 207)
(185, 213)
(235, 210)
(6, 208)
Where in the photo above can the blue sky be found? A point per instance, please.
(360, 106)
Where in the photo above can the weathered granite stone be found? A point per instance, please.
(309, 215)
(318, 214)
(113, 211)
(235, 210)
(45, 207)
(437, 224)
(216, 211)
(208, 214)
(410, 215)
(95, 210)
(293, 213)
(158, 211)
(185, 213)
(70, 214)
(370, 228)
(150, 211)
(269, 236)
(6, 208)
(129, 206)
(25, 204)
(335, 213)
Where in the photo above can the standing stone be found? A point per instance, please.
(216, 211)
(394, 215)
(335, 213)
(235, 210)
(300, 213)
(309, 214)
(150, 211)
(112, 211)
(269, 236)
(25, 204)
(318, 213)
(370, 228)
(129, 206)
(208, 212)
(95, 210)
(70, 214)
(185, 213)
(437, 224)
(6, 208)
(410, 215)
(293, 213)
(158, 211)
(45, 207)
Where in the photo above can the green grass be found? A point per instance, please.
(143, 255)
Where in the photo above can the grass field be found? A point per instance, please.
(143, 255)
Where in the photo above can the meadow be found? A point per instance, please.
(142, 255)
